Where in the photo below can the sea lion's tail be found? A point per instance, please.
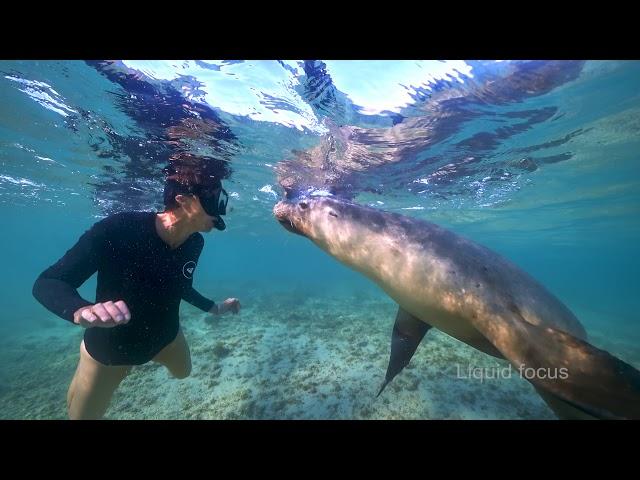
(566, 370)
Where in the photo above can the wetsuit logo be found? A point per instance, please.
(188, 268)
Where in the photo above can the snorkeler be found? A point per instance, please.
(145, 263)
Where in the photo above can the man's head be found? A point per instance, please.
(198, 194)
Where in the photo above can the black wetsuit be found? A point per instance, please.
(135, 265)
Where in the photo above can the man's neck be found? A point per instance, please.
(173, 229)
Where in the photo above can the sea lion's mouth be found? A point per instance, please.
(288, 225)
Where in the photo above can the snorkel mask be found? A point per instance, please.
(214, 202)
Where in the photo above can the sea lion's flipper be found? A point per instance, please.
(408, 332)
(573, 371)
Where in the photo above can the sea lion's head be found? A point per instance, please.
(344, 229)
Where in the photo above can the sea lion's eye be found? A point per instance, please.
(303, 205)
(333, 214)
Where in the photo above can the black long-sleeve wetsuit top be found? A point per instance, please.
(135, 265)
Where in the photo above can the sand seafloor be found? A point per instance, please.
(293, 355)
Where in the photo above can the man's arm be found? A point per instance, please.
(189, 293)
(56, 287)
(192, 296)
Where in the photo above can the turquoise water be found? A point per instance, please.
(536, 160)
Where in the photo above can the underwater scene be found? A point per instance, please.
(320, 240)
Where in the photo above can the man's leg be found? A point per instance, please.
(176, 357)
(92, 387)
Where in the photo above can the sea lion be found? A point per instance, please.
(442, 280)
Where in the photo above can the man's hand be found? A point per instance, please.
(229, 305)
(103, 315)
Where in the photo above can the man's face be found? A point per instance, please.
(194, 211)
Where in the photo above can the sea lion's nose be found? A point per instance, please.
(280, 210)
